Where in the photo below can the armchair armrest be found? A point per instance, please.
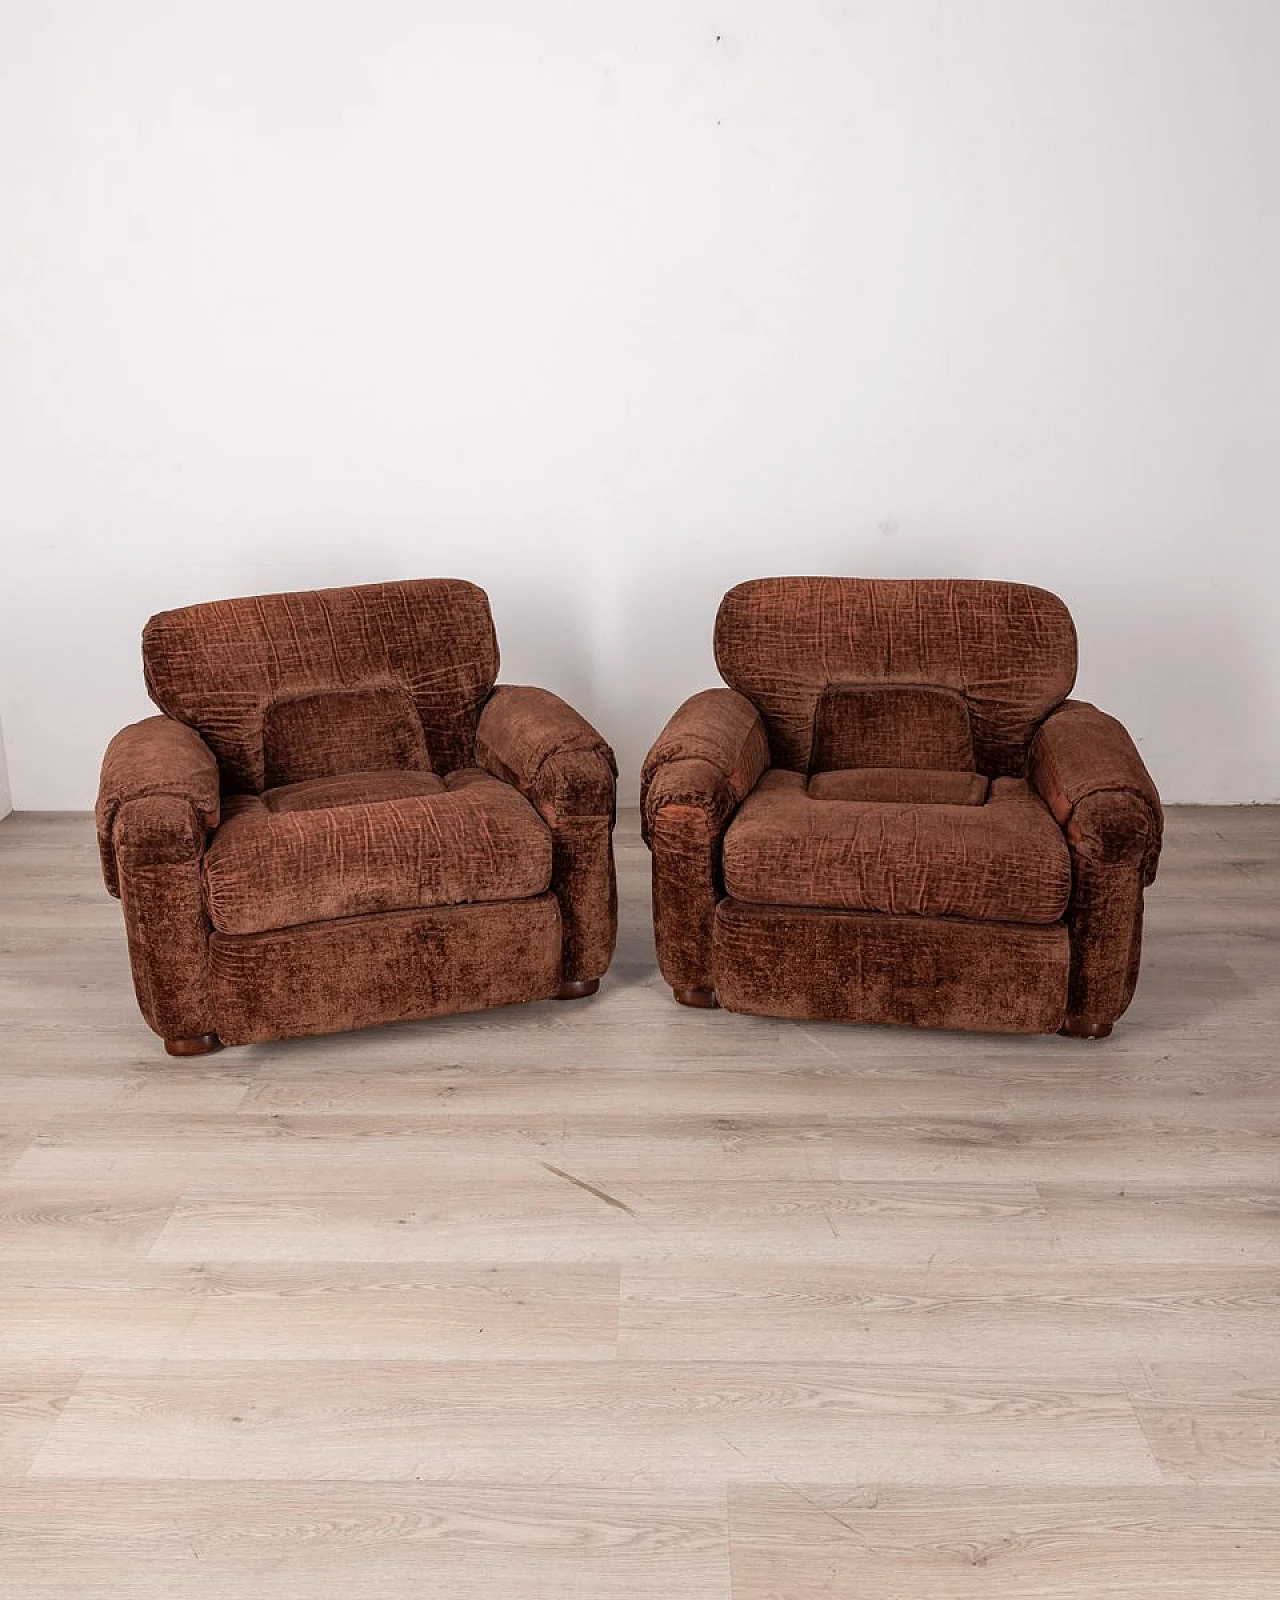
(535, 740)
(156, 758)
(532, 739)
(709, 757)
(702, 766)
(1090, 775)
(157, 798)
(1088, 771)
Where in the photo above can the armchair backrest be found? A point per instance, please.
(284, 687)
(882, 672)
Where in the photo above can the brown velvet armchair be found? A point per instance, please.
(338, 820)
(894, 814)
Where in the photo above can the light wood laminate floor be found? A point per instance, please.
(620, 1301)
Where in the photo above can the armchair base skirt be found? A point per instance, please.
(330, 977)
(931, 972)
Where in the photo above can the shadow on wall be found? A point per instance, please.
(1173, 657)
(545, 640)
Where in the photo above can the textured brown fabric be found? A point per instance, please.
(154, 757)
(707, 758)
(342, 730)
(332, 976)
(1005, 861)
(532, 739)
(220, 666)
(900, 786)
(478, 841)
(1105, 921)
(892, 725)
(157, 843)
(687, 882)
(1093, 779)
(583, 877)
(840, 670)
(720, 729)
(362, 867)
(1009, 649)
(352, 789)
(524, 730)
(921, 971)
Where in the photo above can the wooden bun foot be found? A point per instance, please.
(203, 1044)
(1083, 1028)
(704, 999)
(577, 990)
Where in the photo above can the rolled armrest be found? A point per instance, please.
(533, 739)
(1090, 775)
(153, 759)
(702, 766)
(709, 756)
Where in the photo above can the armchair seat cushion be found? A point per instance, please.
(1003, 861)
(370, 843)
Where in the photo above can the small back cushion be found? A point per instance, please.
(892, 725)
(347, 671)
(334, 731)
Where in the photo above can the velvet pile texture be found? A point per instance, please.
(894, 814)
(340, 820)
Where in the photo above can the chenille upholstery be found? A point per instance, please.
(476, 840)
(1005, 861)
(338, 819)
(894, 814)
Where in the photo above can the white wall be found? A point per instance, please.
(6, 798)
(608, 305)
